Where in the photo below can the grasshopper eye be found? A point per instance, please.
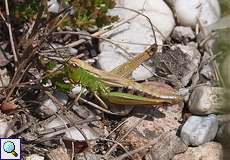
(153, 48)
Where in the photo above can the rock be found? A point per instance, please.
(5, 79)
(135, 32)
(205, 100)
(111, 56)
(166, 147)
(185, 93)
(73, 132)
(223, 133)
(207, 151)
(179, 60)
(35, 157)
(199, 130)
(152, 9)
(53, 6)
(49, 107)
(160, 121)
(207, 70)
(181, 33)
(5, 130)
(189, 12)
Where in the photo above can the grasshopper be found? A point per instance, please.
(101, 83)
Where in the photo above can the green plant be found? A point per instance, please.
(27, 9)
(90, 13)
(87, 13)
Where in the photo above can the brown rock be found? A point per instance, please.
(160, 121)
(207, 151)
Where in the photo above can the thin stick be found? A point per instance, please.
(98, 107)
(127, 133)
(218, 76)
(10, 33)
(101, 32)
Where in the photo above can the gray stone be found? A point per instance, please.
(207, 69)
(164, 120)
(166, 147)
(179, 60)
(199, 130)
(207, 151)
(49, 107)
(205, 100)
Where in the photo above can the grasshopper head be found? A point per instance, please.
(72, 70)
(152, 49)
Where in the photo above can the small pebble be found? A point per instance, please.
(53, 6)
(199, 130)
(205, 100)
(49, 107)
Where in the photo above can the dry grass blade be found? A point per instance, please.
(31, 51)
(10, 33)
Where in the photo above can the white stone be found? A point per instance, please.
(5, 78)
(188, 12)
(199, 130)
(72, 132)
(136, 35)
(206, 100)
(49, 107)
(53, 6)
(5, 130)
(35, 157)
(207, 151)
(157, 10)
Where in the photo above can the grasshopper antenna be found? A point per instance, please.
(150, 22)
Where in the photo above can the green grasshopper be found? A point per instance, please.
(101, 83)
